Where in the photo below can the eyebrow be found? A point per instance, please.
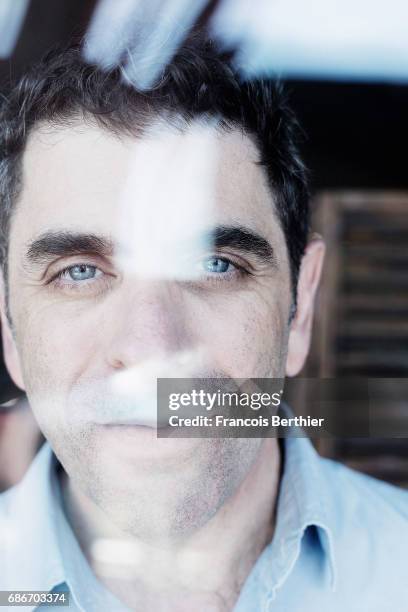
(243, 239)
(64, 243)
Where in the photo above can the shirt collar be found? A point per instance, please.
(304, 501)
(34, 550)
(47, 552)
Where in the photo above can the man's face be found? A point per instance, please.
(82, 317)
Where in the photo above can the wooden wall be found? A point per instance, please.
(361, 321)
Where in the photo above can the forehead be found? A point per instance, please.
(77, 178)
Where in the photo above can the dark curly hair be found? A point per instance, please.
(200, 81)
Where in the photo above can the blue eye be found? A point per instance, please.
(217, 265)
(81, 272)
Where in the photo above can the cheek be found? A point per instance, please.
(245, 335)
(55, 349)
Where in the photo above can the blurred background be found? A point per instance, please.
(346, 68)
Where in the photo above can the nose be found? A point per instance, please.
(147, 321)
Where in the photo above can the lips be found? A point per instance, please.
(151, 424)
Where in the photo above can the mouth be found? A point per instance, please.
(133, 443)
(135, 428)
(151, 423)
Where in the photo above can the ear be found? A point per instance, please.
(301, 326)
(10, 353)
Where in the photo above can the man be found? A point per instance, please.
(100, 185)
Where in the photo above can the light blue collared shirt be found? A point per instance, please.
(340, 542)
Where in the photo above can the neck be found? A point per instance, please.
(205, 570)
